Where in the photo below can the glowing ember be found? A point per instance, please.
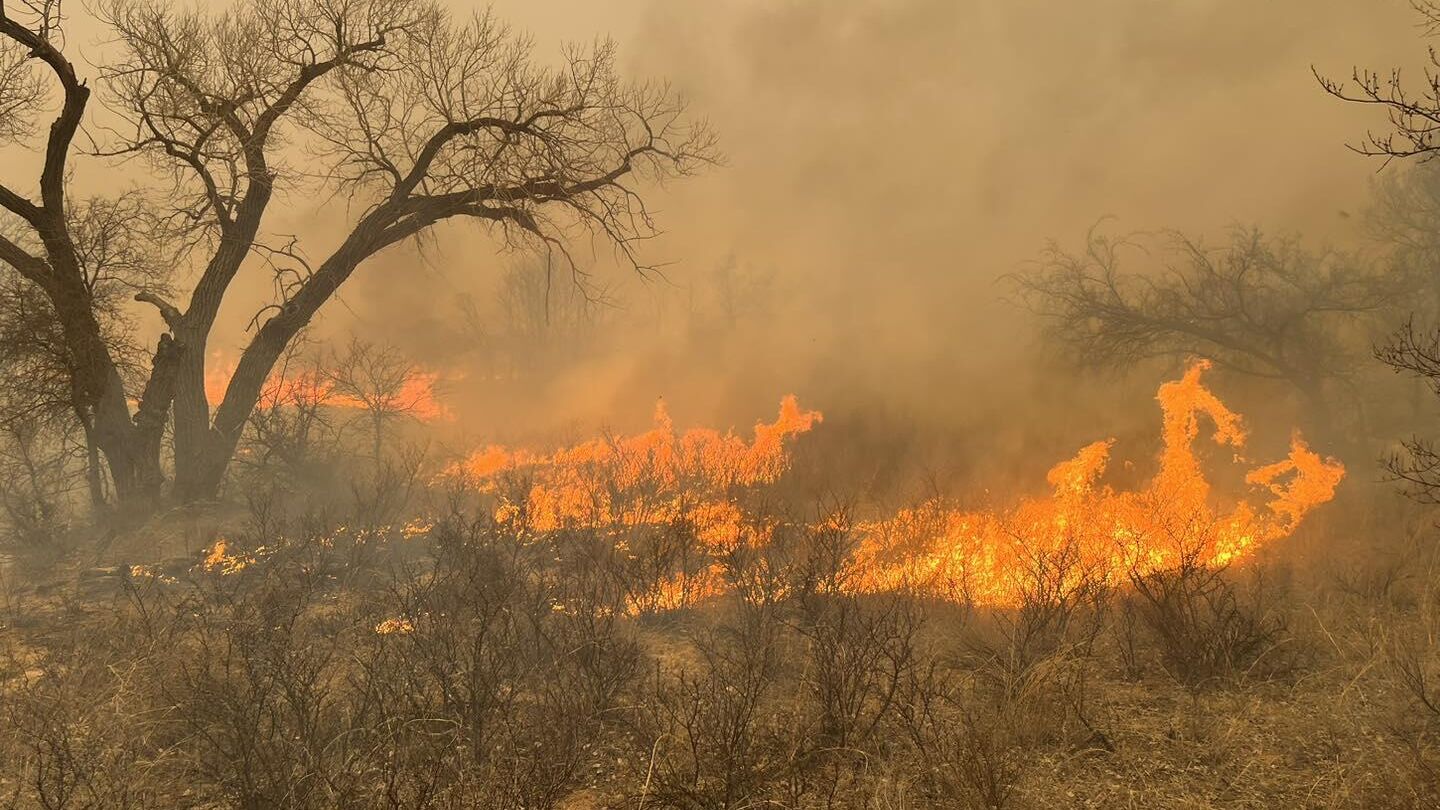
(390, 627)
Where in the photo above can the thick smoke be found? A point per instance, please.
(887, 163)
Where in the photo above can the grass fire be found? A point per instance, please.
(829, 404)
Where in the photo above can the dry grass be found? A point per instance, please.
(517, 670)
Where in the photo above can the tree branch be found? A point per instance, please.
(66, 123)
(168, 311)
(31, 267)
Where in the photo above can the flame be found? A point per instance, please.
(395, 626)
(219, 560)
(416, 396)
(1093, 531)
(1083, 530)
(653, 477)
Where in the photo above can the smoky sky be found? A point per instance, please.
(887, 161)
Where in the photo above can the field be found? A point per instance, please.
(737, 405)
(658, 621)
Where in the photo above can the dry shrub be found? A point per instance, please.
(358, 666)
(80, 729)
(1208, 627)
(1409, 658)
(717, 724)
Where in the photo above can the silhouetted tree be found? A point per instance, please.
(291, 431)
(1414, 112)
(1407, 216)
(412, 117)
(546, 321)
(121, 252)
(381, 383)
(1259, 306)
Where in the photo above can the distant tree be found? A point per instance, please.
(739, 290)
(380, 383)
(1408, 214)
(291, 430)
(1259, 306)
(545, 320)
(410, 117)
(1403, 222)
(1416, 351)
(37, 477)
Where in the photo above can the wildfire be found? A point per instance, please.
(1083, 530)
(415, 396)
(654, 477)
(219, 560)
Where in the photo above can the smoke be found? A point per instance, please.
(887, 162)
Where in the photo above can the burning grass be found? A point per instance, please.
(657, 477)
(635, 622)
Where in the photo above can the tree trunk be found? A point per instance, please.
(206, 464)
(191, 412)
(94, 475)
(206, 471)
(134, 466)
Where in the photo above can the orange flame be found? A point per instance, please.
(990, 557)
(652, 477)
(416, 396)
(1093, 530)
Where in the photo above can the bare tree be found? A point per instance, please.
(1413, 112)
(21, 91)
(1404, 214)
(741, 290)
(1259, 306)
(1407, 214)
(1416, 352)
(290, 428)
(379, 381)
(546, 321)
(37, 478)
(410, 116)
(121, 252)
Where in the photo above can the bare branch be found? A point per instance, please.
(1259, 306)
(168, 311)
(31, 267)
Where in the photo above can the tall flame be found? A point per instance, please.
(652, 477)
(1093, 529)
(983, 556)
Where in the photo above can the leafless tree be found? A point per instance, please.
(410, 116)
(380, 382)
(1403, 217)
(121, 253)
(1413, 111)
(544, 320)
(37, 480)
(1259, 306)
(1406, 215)
(290, 428)
(740, 290)
(1416, 351)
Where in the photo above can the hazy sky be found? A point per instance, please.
(888, 160)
